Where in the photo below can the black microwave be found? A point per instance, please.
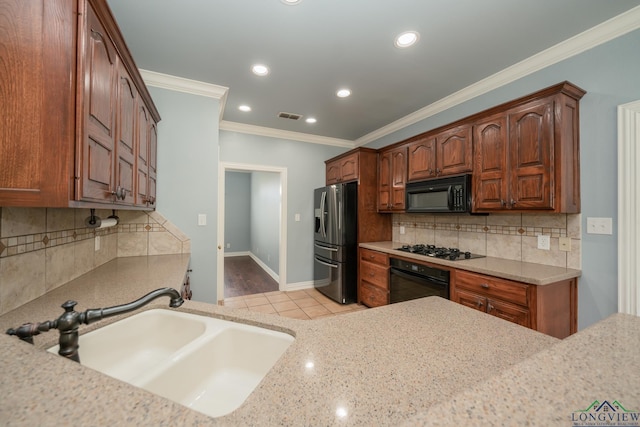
(449, 194)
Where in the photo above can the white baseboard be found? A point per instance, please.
(232, 254)
(265, 267)
(298, 286)
(287, 287)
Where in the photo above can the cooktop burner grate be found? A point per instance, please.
(453, 254)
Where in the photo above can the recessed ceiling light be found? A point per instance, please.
(343, 93)
(290, 2)
(260, 70)
(310, 120)
(244, 108)
(406, 39)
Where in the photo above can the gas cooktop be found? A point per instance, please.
(452, 254)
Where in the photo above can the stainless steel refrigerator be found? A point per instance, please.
(335, 241)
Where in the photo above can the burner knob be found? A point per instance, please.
(453, 256)
(467, 255)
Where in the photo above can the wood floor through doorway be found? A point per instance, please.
(243, 276)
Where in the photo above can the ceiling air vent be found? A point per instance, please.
(289, 116)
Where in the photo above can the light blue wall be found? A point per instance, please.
(265, 218)
(188, 176)
(237, 211)
(610, 74)
(305, 170)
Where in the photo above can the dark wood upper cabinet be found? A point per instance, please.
(449, 152)
(527, 156)
(343, 168)
(69, 119)
(392, 178)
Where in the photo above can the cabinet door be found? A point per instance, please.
(421, 162)
(98, 138)
(384, 181)
(126, 139)
(37, 106)
(490, 175)
(471, 300)
(144, 119)
(454, 151)
(153, 162)
(531, 156)
(349, 168)
(333, 172)
(398, 178)
(509, 312)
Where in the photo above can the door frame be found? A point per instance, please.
(225, 167)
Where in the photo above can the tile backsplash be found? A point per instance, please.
(510, 236)
(42, 249)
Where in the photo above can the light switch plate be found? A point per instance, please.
(599, 226)
(202, 219)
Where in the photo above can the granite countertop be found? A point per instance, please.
(526, 272)
(392, 365)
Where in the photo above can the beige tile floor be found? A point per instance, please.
(303, 304)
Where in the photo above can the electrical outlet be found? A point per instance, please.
(564, 244)
(202, 219)
(544, 242)
(297, 217)
(402, 231)
(97, 243)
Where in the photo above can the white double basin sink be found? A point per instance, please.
(207, 364)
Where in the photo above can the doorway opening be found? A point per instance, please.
(271, 205)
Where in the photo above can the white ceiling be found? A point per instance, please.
(319, 46)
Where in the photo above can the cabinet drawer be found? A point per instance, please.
(375, 274)
(517, 293)
(373, 296)
(374, 257)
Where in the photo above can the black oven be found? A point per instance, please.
(408, 280)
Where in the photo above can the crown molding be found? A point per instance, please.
(180, 84)
(284, 134)
(602, 33)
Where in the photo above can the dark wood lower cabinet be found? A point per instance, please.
(550, 309)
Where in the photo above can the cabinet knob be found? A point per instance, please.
(484, 286)
(513, 202)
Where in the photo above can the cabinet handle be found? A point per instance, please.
(480, 303)
(503, 203)
(513, 202)
(438, 171)
(484, 286)
(490, 308)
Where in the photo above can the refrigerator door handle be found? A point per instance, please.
(326, 247)
(323, 227)
(325, 263)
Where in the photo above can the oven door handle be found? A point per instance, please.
(409, 275)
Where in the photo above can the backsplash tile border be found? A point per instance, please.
(516, 229)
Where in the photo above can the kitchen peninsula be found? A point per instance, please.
(394, 365)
